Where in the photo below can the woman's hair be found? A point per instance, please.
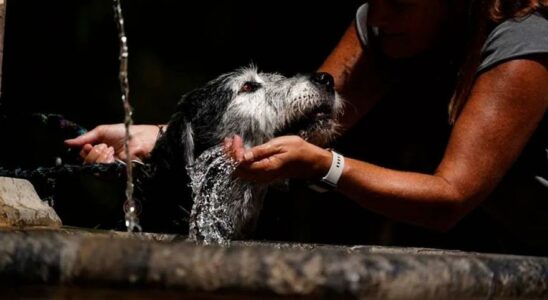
(484, 16)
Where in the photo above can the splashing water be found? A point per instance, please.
(130, 210)
(224, 207)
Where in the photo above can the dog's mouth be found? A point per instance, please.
(314, 120)
(312, 117)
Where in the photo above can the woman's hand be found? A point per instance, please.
(98, 154)
(281, 158)
(142, 142)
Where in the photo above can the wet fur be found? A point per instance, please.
(276, 105)
(168, 200)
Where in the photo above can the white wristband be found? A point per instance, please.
(335, 171)
(330, 180)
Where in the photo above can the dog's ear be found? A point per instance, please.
(194, 126)
(186, 108)
(187, 139)
(176, 148)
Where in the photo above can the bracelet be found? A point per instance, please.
(336, 169)
(330, 180)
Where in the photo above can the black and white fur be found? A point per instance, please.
(186, 185)
(257, 106)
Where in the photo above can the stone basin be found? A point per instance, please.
(42, 263)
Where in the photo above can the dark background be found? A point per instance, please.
(62, 56)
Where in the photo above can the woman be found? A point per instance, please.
(401, 65)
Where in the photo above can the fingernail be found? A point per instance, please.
(248, 155)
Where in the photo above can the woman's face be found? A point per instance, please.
(407, 27)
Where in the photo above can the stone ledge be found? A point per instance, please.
(20, 205)
(57, 259)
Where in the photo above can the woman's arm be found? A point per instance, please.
(505, 107)
(141, 144)
(356, 78)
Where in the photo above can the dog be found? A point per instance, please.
(186, 185)
(258, 107)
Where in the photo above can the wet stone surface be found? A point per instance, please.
(68, 258)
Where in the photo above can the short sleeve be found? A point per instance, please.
(361, 24)
(513, 39)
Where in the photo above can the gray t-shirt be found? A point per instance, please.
(514, 39)
(509, 40)
(519, 205)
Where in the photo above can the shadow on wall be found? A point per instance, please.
(61, 56)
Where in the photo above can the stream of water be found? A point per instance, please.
(132, 221)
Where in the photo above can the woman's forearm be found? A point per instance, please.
(425, 200)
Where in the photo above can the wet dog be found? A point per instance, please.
(186, 186)
(257, 106)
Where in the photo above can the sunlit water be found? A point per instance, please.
(224, 207)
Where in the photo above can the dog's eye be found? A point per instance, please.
(250, 87)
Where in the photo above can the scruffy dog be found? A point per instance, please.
(256, 106)
(186, 183)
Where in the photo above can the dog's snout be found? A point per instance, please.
(324, 79)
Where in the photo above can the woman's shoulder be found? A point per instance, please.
(515, 38)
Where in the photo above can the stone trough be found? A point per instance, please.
(42, 263)
(40, 259)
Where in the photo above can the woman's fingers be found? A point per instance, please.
(98, 154)
(107, 157)
(261, 152)
(89, 137)
(85, 150)
(234, 148)
(238, 146)
(276, 159)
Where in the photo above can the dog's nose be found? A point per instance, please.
(324, 79)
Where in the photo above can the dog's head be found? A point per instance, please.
(257, 106)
